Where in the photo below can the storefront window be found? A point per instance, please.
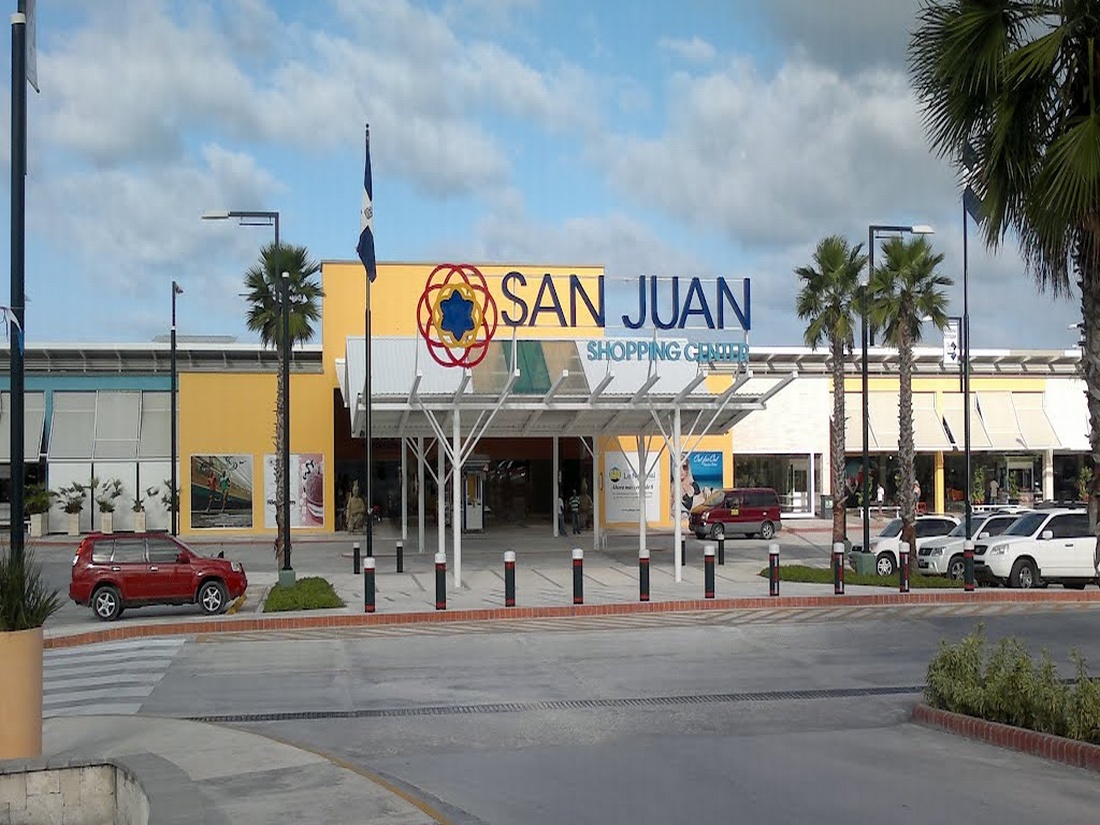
(788, 475)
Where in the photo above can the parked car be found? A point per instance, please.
(1039, 548)
(746, 510)
(886, 545)
(114, 572)
(944, 556)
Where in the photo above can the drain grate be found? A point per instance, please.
(564, 704)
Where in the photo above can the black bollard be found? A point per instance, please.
(643, 575)
(368, 586)
(578, 576)
(683, 551)
(773, 569)
(400, 557)
(356, 566)
(509, 578)
(440, 581)
(708, 571)
(968, 566)
(903, 568)
(838, 568)
(722, 550)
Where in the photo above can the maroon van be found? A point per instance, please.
(747, 510)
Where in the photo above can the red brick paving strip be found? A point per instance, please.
(1044, 745)
(305, 621)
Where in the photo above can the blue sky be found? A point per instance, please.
(705, 137)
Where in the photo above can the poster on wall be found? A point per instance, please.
(700, 476)
(221, 491)
(307, 490)
(620, 485)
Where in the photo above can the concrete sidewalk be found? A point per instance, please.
(201, 773)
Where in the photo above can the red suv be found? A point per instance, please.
(748, 510)
(112, 572)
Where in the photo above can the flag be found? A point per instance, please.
(366, 222)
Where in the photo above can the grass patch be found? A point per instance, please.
(824, 575)
(310, 593)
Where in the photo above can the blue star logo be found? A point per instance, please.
(457, 315)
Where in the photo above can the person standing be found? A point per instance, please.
(880, 497)
(994, 490)
(561, 517)
(575, 511)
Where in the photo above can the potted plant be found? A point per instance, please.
(977, 488)
(37, 505)
(72, 502)
(26, 602)
(105, 498)
(139, 508)
(168, 497)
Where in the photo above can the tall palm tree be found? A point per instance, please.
(263, 285)
(827, 302)
(1012, 87)
(904, 290)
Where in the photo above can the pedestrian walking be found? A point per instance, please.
(575, 512)
(561, 517)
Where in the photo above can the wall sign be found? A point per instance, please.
(609, 349)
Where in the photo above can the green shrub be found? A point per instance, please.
(310, 593)
(1008, 687)
(26, 599)
(824, 575)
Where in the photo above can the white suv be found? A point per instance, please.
(1039, 548)
(886, 544)
(944, 556)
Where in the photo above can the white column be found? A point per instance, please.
(1048, 475)
(813, 486)
(420, 514)
(597, 491)
(642, 475)
(440, 501)
(456, 496)
(674, 499)
(557, 487)
(404, 491)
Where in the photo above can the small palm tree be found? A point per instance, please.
(827, 302)
(904, 290)
(263, 285)
(1011, 90)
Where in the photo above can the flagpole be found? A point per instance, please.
(367, 431)
(365, 249)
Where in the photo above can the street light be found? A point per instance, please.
(247, 217)
(872, 231)
(172, 495)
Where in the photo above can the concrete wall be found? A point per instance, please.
(79, 795)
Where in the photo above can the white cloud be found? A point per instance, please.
(695, 49)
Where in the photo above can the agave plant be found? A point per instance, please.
(26, 601)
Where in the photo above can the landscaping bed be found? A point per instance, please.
(310, 593)
(824, 575)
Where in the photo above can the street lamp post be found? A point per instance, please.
(872, 232)
(265, 218)
(172, 494)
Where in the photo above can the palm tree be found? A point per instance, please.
(904, 290)
(827, 303)
(264, 296)
(1011, 89)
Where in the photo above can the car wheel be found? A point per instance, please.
(884, 564)
(718, 532)
(212, 598)
(107, 603)
(1023, 575)
(767, 530)
(956, 568)
(699, 535)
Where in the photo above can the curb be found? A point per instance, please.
(1043, 745)
(304, 621)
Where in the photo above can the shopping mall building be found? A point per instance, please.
(542, 381)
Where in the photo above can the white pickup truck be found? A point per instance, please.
(1042, 547)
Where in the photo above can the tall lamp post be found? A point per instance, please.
(872, 233)
(263, 218)
(172, 494)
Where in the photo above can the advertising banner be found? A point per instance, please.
(620, 485)
(307, 490)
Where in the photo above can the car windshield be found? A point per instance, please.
(715, 499)
(959, 532)
(1026, 525)
(892, 529)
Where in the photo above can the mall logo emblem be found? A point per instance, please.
(457, 315)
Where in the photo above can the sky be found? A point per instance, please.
(698, 138)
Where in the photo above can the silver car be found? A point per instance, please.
(944, 556)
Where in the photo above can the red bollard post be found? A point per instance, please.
(773, 569)
(369, 598)
(968, 565)
(643, 575)
(440, 581)
(903, 568)
(578, 576)
(838, 568)
(708, 571)
(509, 578)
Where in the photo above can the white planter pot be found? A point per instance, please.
(106, 522)
(39, 524)
(139, 522)
(74, 524)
